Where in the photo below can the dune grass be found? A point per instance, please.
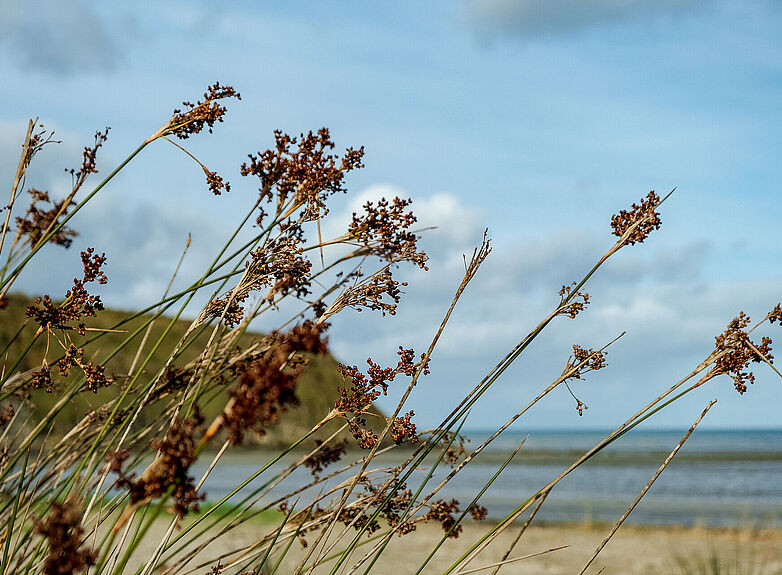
(739, 560)
(105, 414)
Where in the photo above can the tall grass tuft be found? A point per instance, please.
(97, 468)
(736, 561)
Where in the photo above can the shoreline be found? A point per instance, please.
(634, 549)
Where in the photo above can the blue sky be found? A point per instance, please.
(536, 119)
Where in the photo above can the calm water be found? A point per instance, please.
(720, 478)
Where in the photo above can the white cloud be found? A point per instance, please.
(660, 298)
(538, 17)
(55, 36)
(670, 312)
(454, 222)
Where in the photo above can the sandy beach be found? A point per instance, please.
(632, 551)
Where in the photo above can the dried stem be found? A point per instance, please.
(646, 487)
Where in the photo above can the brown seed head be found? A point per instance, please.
(303, 169)
(38, 141)
(326, 455)
(594, 360)
(42, 378)
(170, 470)
(64, 533)
(403, 429)
(443, 512)
(215, 183)
(373, 292)
(573, 306)
(196, 117)
(78, 302)
(644, 215)
(36, 221)
(267, 381)
(477, 512)
(383, 229)
(89, 157)
(742, 352)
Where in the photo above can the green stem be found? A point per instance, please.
(10, 527)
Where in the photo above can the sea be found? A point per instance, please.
(725, 478)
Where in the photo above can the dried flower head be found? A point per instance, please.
(38, 221)
(89, 157)
(581, 362)
(383, 229)
(643, 217)
(359, 520)
(580, 406)
(456, 451)
(78, 302)
(325, 456)
(302, 169)
(365, 437)
(42, 378)
(775, 314)
(373, 292)
(443, 512)
(169, 470)
(592, 361)
(391, 510)
(282, 265)
(73, 356)
(92, 266)
(569, 304)
(95, 377)
(215, 183)
(364, 390)
(395, 507)
(64, 533)
(403, 429)
(265, 390)
(742, 352)
(279, 266)
(407, 364)
(228, 308)
(37, 141)
(267, 381)
(477, 512)
(195, 117)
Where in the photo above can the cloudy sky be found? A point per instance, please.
(535, 118)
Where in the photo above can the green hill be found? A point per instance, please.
(316, 392)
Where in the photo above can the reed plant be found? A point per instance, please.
(108, 495)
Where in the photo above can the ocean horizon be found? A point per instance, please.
(720, 478)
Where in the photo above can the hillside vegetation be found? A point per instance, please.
(317, 389)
